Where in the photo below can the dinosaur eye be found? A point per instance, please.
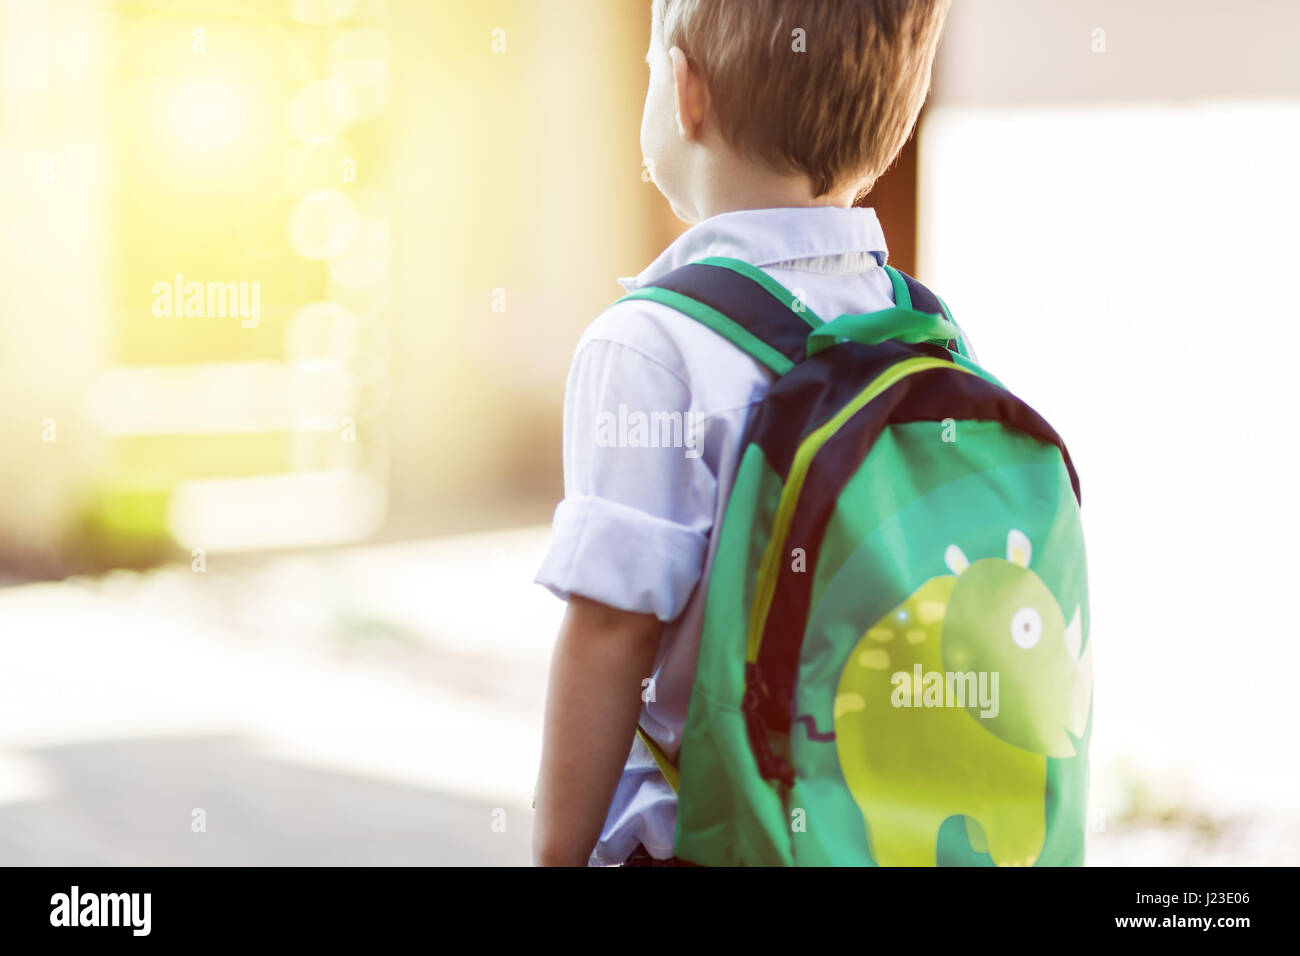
(1026, 627)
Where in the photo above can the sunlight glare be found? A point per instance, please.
(206, 113)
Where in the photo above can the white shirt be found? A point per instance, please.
(634, 528)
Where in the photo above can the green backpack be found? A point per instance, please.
(894, 666)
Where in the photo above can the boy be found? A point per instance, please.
(764, 120)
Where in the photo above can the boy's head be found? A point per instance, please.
(816, 92)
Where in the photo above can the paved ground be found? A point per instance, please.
(369, 706)
(382, 706)
(133, 802)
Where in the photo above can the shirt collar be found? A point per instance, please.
(820, 238)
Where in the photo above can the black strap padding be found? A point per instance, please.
(743, 300)
(814, 392)
(923, 300)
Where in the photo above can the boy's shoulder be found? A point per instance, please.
(653, 332)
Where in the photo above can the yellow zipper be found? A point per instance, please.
(772, 557)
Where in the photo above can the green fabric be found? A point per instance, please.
(727, 814)
(872, 328)
(901, 544)
(791, 494)
(956, 548)
(910, 460)
(902, 295)
(884, 552)
(903, 300)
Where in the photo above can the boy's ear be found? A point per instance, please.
(692, 95)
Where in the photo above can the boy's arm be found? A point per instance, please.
(628, 547)
(593, 700)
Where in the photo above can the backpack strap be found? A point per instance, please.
(910, 294)
(741, 303)
(753, 311)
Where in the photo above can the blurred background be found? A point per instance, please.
(288, 290)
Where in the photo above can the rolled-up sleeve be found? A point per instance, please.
(632, 530)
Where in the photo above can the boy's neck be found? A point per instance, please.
(728, 183)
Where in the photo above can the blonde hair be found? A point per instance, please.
(838, 111)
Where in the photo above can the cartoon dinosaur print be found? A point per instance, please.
(910, 768)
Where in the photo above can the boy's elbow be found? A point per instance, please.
(586, 616)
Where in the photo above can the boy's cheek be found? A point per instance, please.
(646, 152)
(656, 141)
(648, 123)
(647, 131)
